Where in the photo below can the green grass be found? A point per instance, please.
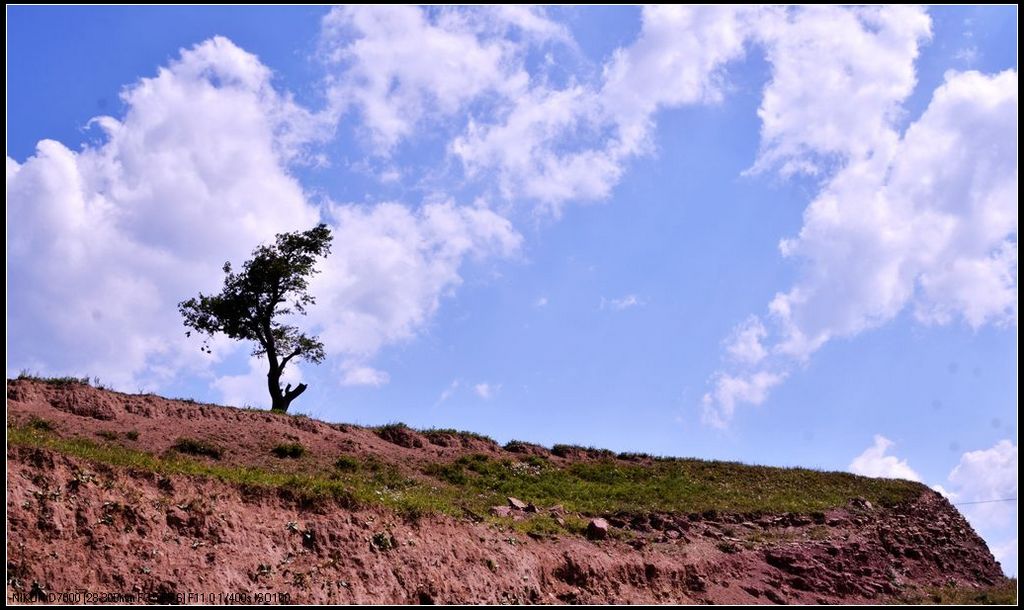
(476, 482)
(607, 486)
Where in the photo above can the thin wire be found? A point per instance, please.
(985, 501)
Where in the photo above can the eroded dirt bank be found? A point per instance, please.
(76, 524)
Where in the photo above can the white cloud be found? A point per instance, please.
(875, 462)
(622, 303)
(744, 344)
(486, 391)
(362, 375)
(249, 389)
(533, 132)
(839, 75)
(541, 302)
(676, 60)
(729, 391)
(984, 475)
(402, 65)
(559, 144)
(927, 223)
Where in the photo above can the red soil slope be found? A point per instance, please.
(75, 526)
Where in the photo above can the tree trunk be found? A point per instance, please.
(281, 400)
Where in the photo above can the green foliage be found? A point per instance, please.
(289, 450)
(193, 446)
(109, 435)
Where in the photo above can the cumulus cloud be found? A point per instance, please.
(875, 462)
(197, 172)
(728, 391)
(985, 475)
(560, 144)
(925, 221)
(535, 134)
(108, 238)
(838, 77)
(401, 66)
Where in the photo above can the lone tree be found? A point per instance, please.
(271, 284)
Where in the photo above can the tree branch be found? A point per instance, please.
(298, 350)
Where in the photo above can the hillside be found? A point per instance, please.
(159, 498)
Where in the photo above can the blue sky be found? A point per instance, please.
(779, 236)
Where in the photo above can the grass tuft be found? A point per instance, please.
(289, 450)
(193, 446)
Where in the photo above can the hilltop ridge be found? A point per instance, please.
(160, 497)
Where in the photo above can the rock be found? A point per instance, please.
(695, 581)
(176, 517)
(557, 509)
(597, 529)
(516, 503)
(774, 597)
(861, 502)
(501, 511)
(531, 508)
